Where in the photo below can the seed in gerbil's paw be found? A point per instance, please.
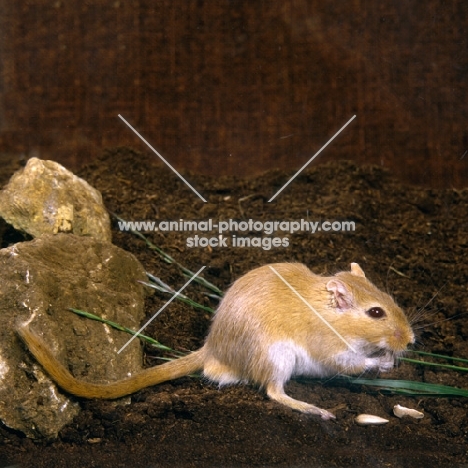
(370, 420)
(401, 411)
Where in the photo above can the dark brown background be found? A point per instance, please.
(239, 87)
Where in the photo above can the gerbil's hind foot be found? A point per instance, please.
(276, 393)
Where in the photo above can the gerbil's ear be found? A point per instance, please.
(344, 298)
(356, 270)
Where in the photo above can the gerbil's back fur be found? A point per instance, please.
(275, 322)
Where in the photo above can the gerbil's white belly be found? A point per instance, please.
(290, 359)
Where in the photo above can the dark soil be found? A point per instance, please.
(410, 241)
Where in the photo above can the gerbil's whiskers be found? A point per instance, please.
(440, 321)
(420, 313)
(432, 298)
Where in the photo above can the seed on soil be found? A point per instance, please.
(401, 411)
(94, 440)
(370, 420)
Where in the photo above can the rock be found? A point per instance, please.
(46, 198)
(42, 279)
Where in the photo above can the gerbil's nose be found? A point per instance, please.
(405, 337)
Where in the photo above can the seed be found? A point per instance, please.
(370, 420)
(95, 440)
(401, 411)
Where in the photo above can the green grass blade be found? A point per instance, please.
(162, 286)
(440, 356)
(180, 297)
(201, 280)
(115, 325)
(434, 364)
(409, 387)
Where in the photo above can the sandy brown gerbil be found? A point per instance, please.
(276, 322)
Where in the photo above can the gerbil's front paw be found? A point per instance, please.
(383, 363)
(387, 362)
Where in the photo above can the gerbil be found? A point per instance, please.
(275, 322)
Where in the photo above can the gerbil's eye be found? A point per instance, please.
(376, 312)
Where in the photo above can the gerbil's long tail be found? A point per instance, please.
(152, 376)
